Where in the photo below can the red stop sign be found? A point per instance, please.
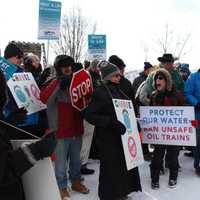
(81, 89)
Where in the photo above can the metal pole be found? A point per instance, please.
(48, 53)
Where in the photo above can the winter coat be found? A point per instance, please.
(114, 180)
(137, 82)
(192, 91)
(126, 87)
(148, 88)
(2, 93)
(96, 79)
(13, 164)
(169, 97)
(62, 116)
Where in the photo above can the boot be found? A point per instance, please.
(154, 178)
(64, 194)
(173, 174)
(79, 187)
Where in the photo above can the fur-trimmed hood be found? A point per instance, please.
(167, 76)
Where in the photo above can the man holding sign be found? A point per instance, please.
(68, 124)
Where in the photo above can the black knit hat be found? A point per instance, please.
(108, 70)
(114, 59)
(13, 50)
(63, 61)
(147, 65)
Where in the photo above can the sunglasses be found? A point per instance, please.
(160, 78)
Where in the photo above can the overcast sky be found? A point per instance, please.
(130, 25)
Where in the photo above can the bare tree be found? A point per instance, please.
(172, 42)
(73, 35)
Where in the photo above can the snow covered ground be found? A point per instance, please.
(188, 186)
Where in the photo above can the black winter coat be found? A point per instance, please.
(13, 164)
(2, 93)
(114, 180)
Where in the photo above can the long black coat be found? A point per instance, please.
(13, 164)
(114, 180)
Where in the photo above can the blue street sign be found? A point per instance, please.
(49, 20)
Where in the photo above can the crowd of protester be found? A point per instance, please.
(62, 127)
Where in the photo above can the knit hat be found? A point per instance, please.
(13, 50)
(108, 70)
(147, 65)
(184, 67)
(166, 75)
(167, 57)
(114, 59)
(63, 61)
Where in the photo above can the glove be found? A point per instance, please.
(65, 82)
(18, 116)
(197, 106)
(44, 147)
(118, 127)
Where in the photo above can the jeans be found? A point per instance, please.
(197, 149)
(68, 154)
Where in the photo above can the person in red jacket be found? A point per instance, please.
(68, 124)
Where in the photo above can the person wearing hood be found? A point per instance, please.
(184, 71)
(164, 95)
(115, 181)
(67, 122)
(166, 62)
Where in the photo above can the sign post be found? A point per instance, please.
(81, 89)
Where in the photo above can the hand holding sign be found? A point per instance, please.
(81, 89)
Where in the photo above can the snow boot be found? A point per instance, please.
(79, 187)
(155, 185)
(64, 194)
(172, 183)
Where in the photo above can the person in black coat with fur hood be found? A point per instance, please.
(14, 163)
(165, 95)
(115, 181)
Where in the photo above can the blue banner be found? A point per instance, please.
(7, 68)
(49, 20)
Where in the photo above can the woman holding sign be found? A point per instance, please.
(164, 95)
(115, 181)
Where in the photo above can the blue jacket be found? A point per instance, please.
(192, 91)
(11, 107)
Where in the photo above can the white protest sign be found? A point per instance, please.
(169, 125)
(39, 182)
(130, 140)
(25, 92)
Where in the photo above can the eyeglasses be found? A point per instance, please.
(160, 78)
